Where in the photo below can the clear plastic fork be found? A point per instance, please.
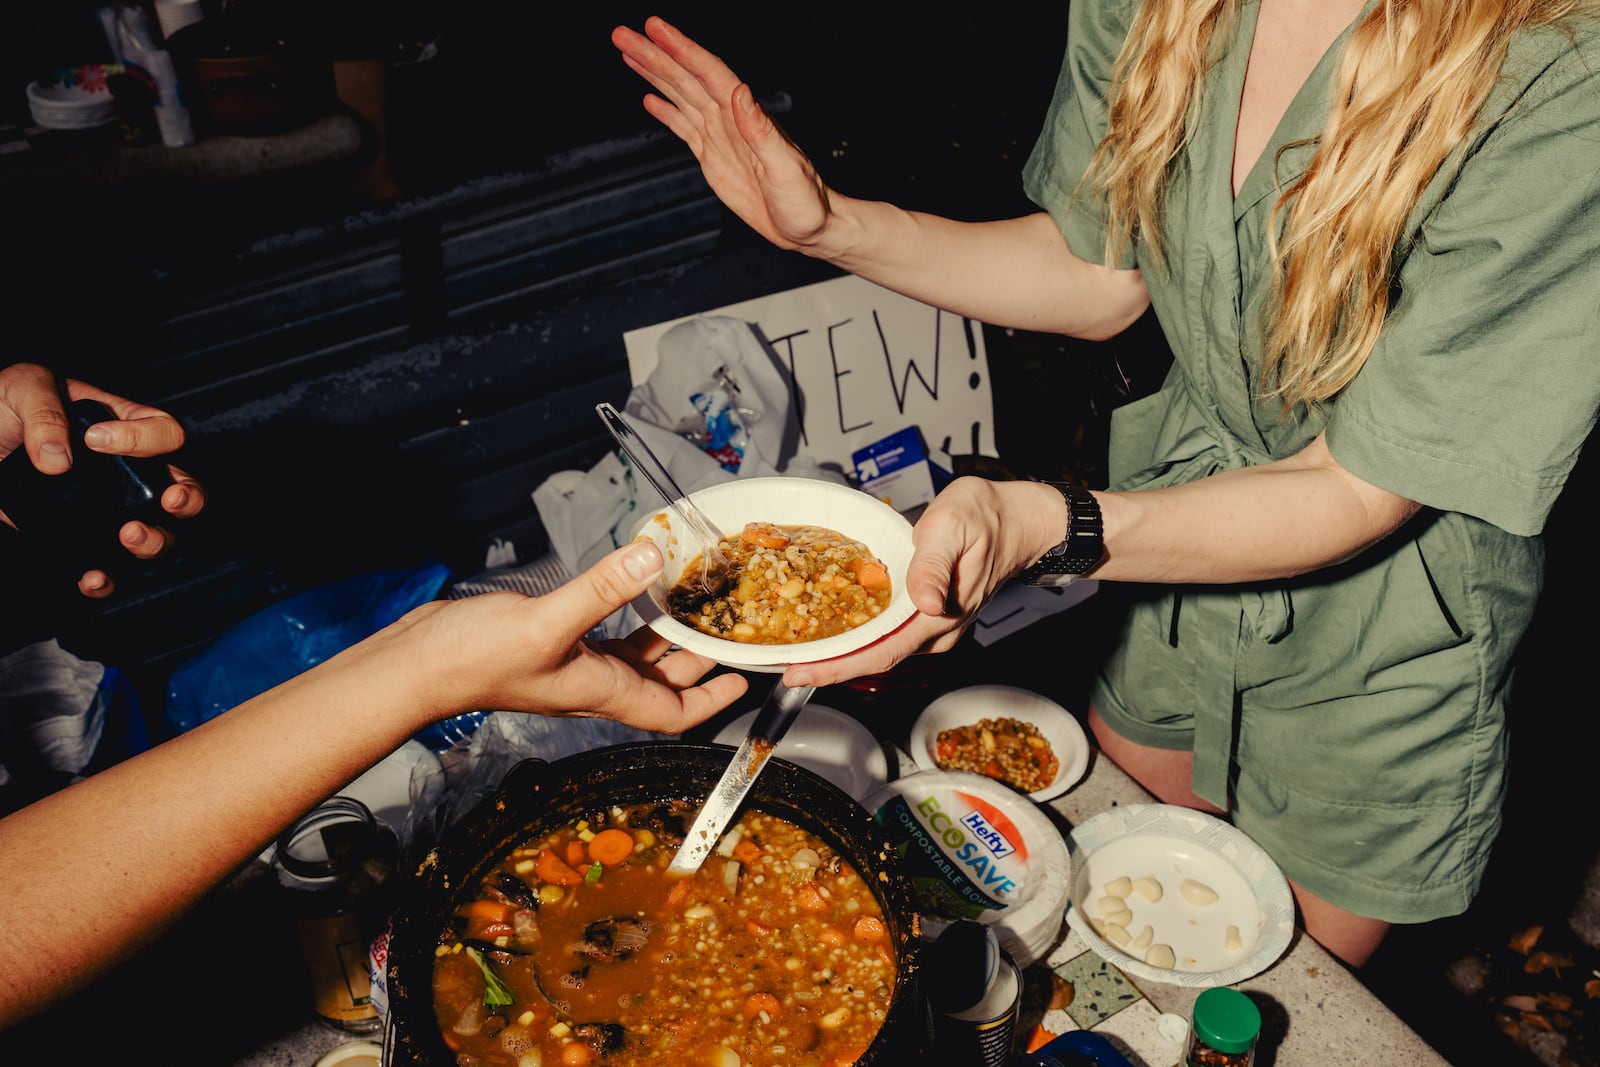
(713, 562)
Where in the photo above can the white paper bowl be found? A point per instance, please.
(963, 707)
(1171, 844)
(786, 501)
(828, 743)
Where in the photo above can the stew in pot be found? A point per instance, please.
(579, 948)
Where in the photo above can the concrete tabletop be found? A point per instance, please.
(1314, 1009)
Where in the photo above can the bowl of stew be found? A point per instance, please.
(544, 930)
(817, 570)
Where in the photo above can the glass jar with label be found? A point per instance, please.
(337, 868)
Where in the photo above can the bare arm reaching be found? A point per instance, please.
(1251, 524)
(1013, 272)
(139, 843)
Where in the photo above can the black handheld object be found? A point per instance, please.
(70, 521)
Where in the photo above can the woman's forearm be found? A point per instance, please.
(1260, 523)
(1016, 273)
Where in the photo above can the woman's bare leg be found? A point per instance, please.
(1351, 937)
(1167, 775)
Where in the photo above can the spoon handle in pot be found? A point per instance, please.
(771, 723)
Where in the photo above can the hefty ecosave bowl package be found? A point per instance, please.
(977, 849)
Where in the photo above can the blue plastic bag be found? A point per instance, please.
(281, 641)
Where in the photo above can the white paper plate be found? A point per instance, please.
(1171, 844)
(963, 707)
(828, 743)
(786, 501)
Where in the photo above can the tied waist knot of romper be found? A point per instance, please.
(1266, 613)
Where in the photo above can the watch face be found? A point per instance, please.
(1052, 581)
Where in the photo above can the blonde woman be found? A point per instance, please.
(1369, 232)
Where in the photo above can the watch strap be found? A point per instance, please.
(1081, 548)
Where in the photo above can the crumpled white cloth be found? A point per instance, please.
(588, 513)
(51, 706)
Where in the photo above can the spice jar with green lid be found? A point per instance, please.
(1223, 1030)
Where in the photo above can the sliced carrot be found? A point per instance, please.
(870, 928)
(746, 851)
(611, 846)
(870, 573)
(764, 535)
(551, 868)
(677, 893)
(487, 911)
(756, 1003)
(575, 853)
(810, 899)
(576, 1054)
(831, 936)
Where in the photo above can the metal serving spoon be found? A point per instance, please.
(771, 723)
(655, 472)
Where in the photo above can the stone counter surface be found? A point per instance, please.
(1324, 1015)
(1315, 1010)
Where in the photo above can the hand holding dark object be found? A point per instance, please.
(77, 477)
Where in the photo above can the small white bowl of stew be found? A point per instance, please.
(818, 571)
(1012, 735)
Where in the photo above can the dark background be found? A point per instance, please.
(372, 382)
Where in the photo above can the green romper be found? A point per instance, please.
(1353, 721)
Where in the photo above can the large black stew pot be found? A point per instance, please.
(536, 797)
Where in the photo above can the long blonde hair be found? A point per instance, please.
(1408, 88)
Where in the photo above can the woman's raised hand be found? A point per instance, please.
(749, 162)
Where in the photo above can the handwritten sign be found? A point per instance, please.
(863, 362)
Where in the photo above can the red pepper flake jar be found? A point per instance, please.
(1223, 1030)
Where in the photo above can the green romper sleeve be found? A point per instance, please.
(1075, 124)
(1486, 379)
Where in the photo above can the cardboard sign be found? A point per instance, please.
(863, 363)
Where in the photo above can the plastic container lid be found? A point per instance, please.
(75, 99)
(977, 849)
(1226, 1019)
(353, 1054)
